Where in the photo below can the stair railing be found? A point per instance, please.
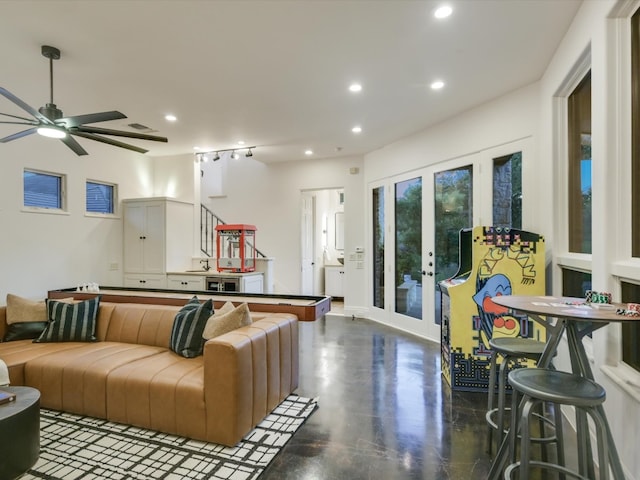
(208, 223)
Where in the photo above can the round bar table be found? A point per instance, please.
(577, 318)
(19, 432)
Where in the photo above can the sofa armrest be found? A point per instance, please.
(247, 373)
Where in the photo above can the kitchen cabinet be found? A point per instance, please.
(134, 280)
(185, 282)
(235, 282)
(158, 235)
(334, 280)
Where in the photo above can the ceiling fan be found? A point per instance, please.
(49, 121)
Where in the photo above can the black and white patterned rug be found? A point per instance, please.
(73, 447)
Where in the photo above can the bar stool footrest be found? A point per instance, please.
(494, 425)
(545, 466)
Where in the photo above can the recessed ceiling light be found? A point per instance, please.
(356, 129)
(170, 118)
(196, 148)
(355, 87)
(437, 85)
(240, 142)
(308, 152)
(443, 12)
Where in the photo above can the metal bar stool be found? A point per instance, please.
(560, 388)
(510, 349)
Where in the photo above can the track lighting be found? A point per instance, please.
(215, 154)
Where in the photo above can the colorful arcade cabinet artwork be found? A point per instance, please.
(493, 261)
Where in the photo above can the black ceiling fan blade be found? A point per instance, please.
(78, 120)
(27, 108)
(17, 117)
(72, 143)
(21, 134)
(120, 133)
(35, 124)
(109, 141)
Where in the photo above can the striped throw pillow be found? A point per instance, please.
(186, 335)
(70, 322)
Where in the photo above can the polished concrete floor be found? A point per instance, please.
(384, 410)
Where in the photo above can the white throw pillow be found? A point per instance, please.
(226, 319)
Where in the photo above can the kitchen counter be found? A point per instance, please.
(213, 272)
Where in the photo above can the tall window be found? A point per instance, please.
(507, 191)
(378, 247)
(579, 188)
(630, 291)
(100, 197)
(635, 135)
(43, 190)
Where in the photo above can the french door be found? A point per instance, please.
(416, 218)
(415, 224)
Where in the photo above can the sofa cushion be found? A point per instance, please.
(24, 310)
(74, 379)
(26, 319)
(186, 335)
(24, 331)
(71, 322)
(226, 320)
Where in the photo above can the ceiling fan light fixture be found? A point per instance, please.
(51, 132)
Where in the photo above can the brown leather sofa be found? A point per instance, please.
(131, 376)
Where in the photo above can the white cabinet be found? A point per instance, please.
(140, 280)
(185, 282)
(158, 236)
(235, 282)
(334, 280)
(252, 284)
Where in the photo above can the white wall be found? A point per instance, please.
(268, 196)
(40, 251)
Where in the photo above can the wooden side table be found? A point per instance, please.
(19, 432)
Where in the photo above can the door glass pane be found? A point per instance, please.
(378, 247)
(408, 258)
(507, 191)
(454, 211)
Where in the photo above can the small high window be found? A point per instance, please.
(100, 197)
(43, 190)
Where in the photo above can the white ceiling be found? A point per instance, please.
(274, 73)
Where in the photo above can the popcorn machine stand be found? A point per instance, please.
(236, 248)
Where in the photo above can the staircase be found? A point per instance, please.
(208, 223)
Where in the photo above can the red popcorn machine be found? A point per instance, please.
(236, 248)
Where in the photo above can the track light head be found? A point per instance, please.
(234, 155)
(216, 157)
(248, 154)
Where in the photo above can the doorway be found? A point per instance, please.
(322, 237)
